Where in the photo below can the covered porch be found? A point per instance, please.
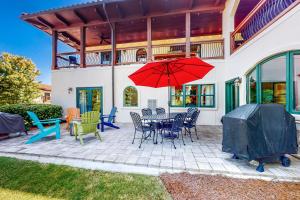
(117, 153)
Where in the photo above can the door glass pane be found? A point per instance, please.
(252, 79)
(296, 82)
(191, 95)
(207, 101)
(96, 100)
(273, 81)
(83, 101)
(177, 100)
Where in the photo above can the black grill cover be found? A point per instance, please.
(11, 123)
(259, 131)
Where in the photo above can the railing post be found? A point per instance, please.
(82, 46)
(188, 35)
(54, 49)
(149, 39)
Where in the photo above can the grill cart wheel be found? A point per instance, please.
(285, 161)
(260, 167)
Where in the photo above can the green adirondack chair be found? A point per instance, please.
(88, 124)
(43, 131)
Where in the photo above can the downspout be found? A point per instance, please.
(112, 30)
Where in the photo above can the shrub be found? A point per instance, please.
(43, 111)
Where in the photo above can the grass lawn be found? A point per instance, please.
(31, 180)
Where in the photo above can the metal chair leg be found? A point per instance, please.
(134, 136)
(182, 138)
(190, 132)
(196, 132)
(141, 139)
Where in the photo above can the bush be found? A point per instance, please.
(43, 111)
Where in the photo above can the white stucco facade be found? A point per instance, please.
(283, 35)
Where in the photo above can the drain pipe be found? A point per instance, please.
(113, 52)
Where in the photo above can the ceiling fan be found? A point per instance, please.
(104, 39)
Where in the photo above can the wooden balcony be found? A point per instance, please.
(206, 50)
(261, 17)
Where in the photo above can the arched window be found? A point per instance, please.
(141, 55)
(276, 80)
(130, 97)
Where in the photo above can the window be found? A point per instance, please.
(296, 82)
(207, 95)
(177, 96)
(105, 58)
(193, 96)
(252, 84)
(276, 80)
(273, 81)
(130, 97)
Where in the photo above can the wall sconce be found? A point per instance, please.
(70, 90)
(237, 82)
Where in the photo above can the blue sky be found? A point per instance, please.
(19, 37)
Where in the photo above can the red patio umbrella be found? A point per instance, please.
(174, 72)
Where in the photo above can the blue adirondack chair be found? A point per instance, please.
(43, 131)
(107, 120)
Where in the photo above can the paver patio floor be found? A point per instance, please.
(201, 156)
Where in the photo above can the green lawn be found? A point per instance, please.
(30, 180)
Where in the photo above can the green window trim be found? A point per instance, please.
(133, 92)
(289, 80)
(198, 94)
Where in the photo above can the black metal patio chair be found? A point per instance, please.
(190, 111)
(160, 111)
(146, 111)
(191, 123)
(140, 127)
(175, 130)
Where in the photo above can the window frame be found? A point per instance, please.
(137, 93)
(289, 79)
(199, 95)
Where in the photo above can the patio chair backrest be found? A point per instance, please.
(35, 120)
(160, 111)
(177, 124)
(89, 121)
(146, 111)
(190, 111)
(194, 117)
(136, 119)
(112, 114)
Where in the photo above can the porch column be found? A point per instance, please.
(188, 35)
(113, 60)
(54, 50)
(149, 39)
(82, 46)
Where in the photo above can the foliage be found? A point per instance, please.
(17, 80)
(43, 111)
(64, 182)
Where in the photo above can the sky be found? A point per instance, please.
(20, 38)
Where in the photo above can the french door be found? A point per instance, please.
(89, 99)
(232, 95)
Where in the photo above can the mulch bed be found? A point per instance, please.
(188, 186)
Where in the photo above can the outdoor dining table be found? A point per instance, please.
(159, 118)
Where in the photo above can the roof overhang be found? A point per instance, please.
(168, 20)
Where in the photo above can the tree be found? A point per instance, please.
(17, 79)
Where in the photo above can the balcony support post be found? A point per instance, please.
(188, 35)
(82, 46)
(113, 60)
(54, 50)
(149, 39)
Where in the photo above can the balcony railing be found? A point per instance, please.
(204, 50)
(262, 16)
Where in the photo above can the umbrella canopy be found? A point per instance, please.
(175, 72)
